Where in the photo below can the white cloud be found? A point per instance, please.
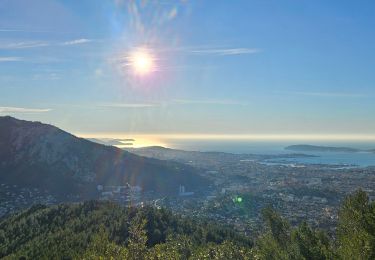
(10, 59)
(37, 44)
(4, 110)
(23, 45)
(225, 52)
(208, 102)
(130, 105)
(77, 41)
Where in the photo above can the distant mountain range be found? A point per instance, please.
(38, 155)
(315, 148)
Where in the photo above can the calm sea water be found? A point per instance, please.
(361, 159)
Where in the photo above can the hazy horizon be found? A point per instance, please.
(241, 142)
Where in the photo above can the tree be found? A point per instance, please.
(311, 244)
(224, 251)
(268, 248)
(137, 238)
(282, 242)
(356, 227)
(101, 248)
(278, 227)
(176, 247)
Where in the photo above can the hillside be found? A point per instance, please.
(104, 230)
(66, 231)
(38, 155)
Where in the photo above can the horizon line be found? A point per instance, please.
(305, 137)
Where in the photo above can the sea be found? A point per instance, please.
(345, 159)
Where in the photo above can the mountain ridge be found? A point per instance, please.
(42, 155)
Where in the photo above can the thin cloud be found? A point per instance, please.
(4, 110)
(77, 41)
(24, 45)
(331, 94)
(129, 105)
(10, 59)
(46, 76)
(174, 102)
(13, 30)
(206, 50)
(226, 52)
(31, 31)
(38, 59)
(121, 60)
(38, 44)
(208, 102)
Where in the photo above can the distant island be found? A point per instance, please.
(316, 148)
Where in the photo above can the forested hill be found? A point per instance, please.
(68, 230)
(103, 230)
(38, 155)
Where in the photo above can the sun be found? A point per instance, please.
(142, 61)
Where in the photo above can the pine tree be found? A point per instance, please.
(101, 248)
(137, 238)
(356, 229)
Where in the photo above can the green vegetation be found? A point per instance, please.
(104, 230)
(355, 235)
(73, 230)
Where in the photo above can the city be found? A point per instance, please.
(300, 192)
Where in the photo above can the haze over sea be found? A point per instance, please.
(362, 159)
(270, 145)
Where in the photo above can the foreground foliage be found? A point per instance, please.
(68, 230)
(103, 230)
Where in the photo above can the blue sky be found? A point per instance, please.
(223, 67)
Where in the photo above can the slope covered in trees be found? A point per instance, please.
(67, 230)
(103, 230)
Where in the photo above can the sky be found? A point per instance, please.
(239, 68)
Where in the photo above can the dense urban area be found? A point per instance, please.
(241, 186)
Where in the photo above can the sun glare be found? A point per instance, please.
(142, 61)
